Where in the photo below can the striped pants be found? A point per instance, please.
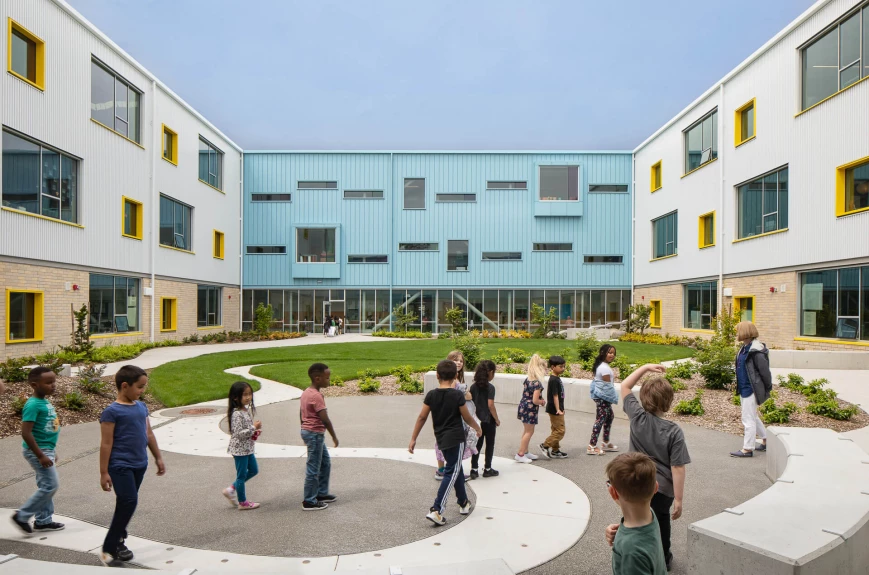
(454, 476)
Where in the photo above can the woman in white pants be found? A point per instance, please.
(754, 382)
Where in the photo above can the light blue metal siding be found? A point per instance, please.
(500, 220)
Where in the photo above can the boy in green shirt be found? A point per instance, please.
(637, 549)
(40, 427)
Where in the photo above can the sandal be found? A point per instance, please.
(609, 447)
(593, 450)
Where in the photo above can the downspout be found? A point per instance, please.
(241, 242)
(155, 205)
(720, 218)
(392, 250)
(633, 223)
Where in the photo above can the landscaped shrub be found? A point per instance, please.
(503, 334)
(402, 317)
(586, 345)
(658, 339)
(794, 382)
(690, 406)
(511, 369)
(89, 378)
(736, 399)
(81, 338)
(456, 318)
(717, 357)
(367, 381)
(74, 400)
(831, 409)
(624, 365)
(771, 413)
(638, 317)
(18, 404)
(682, 370)
(12, 370)
(262, 318)
(511, 355)
(336, 381)
(192, 338)
(402, 334)
(543, 319)
(471, 348)
(406, 380)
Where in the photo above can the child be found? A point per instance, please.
(315, 423)
(40, 427)
(126, 432)
(448, 408)
(551, 447)
(471, 444)
(243, 431)
(603, 392)
(529, 404)
(483, 394)
(661, 440)
(636, 541)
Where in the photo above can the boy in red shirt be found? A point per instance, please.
(315, 423)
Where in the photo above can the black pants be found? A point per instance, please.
(488, 428)
(661, 506)
(126, 484)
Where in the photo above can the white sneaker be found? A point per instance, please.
(522, 458)
(466, 508)
(531, 456)
(231, 495)
(436, 518)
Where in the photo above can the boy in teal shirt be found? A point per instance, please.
(40, 427)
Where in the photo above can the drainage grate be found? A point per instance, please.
(198, 411)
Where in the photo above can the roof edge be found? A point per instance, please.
(407, 152)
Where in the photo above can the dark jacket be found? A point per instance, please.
(757, 366)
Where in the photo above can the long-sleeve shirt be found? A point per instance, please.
(241, 433)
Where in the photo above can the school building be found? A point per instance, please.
(118, 195)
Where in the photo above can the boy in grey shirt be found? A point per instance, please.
(661, 440)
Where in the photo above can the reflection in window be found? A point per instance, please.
(857, 187)
(208, 306)
(114, 304)
(210, 164)
(762, 205)
(114, 102)
(457, 255)
(490, 185)
(701, 142)
(701, 305)
(559, 183)
(318, 185)
(23, 315)
(414, 194)
(175, 224)
(315, 245)
(665, 235)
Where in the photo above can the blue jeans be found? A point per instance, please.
(126, 482)
(245, 469)
(40, 503)
(454, 475)
(319, 465)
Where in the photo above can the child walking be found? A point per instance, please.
(244, 432)
(551, 446)
(40, 427)
(315, 423)
(448, 408)
(529, 405)
(126, 437)
(603, 392)
(471, 444)
(483, 395)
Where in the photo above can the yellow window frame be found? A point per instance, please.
(737, 306)
(173, 136)
(218, 245)
(656, 177)
(173, 313)
(738, 137)
(139, 218)
(39, 81)
(655, 315)
(841, 180)
(38, 315)
(701, 230)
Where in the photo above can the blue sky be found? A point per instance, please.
(439, 75)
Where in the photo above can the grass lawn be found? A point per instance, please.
(202, 378)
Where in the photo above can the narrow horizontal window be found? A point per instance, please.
(367, 259)
(551, 247)
(506, 185)
(330, 185)
(502, 256)
(418, 247)
(266, 249)
(363, 194)
(608, 188)
(604, 259)
(271, 197)
(461, 198)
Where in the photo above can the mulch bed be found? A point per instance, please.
(388, 386)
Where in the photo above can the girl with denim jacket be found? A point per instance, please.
(603, 392)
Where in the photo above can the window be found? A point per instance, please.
(762, 205)
(218, 245)
(168, 314)
(266, 249)
(701, 142)
(456, 198)
(270, 197)
(414, 194)
(655, 180)
(418, 247)
(665, 236)
(24, 316)
(603, 259)
(115, 102)
(559, 183)
(852, 187)
(502, 256)
(210, 164)
(655, 314)
(744, 306)
(38, 179)
(552, 247)
(835, 303)
(363, 194)
(175, 224)
(833, 62)
(457, 255)
(208, 306)
(133, 218)
(315, 185)
(114, 304)
(608, 188)
(706, 231)
(315, 245)
(170, 145)
(744, 123)
(506, 185)
(26, 55)
(701, 305)
(367, 259)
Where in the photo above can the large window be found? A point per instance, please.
(24, 316)
(38, 179)
(457, 255)
(175, 224)
(835, 303)
(115, 103)
(701, 305)
(701, 141)
(665, 236)
(208, 306)
(133, 218)
(834, 61)
(210, 164)
(315, 245)
(852, 187)
(414, 194)
(114, 304)
(762, 205)
(559, 183)
(26, 55)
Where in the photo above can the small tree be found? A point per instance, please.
(456, 318)
(402, 317)
(81, 339)
(262, 320)
(544, 320)
(638, 317)
(718, 356)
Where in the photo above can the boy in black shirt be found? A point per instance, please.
(555, 408)
(448, 409)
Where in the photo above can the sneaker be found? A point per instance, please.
(593, 450)
(490, 473)
(522, 458)
(439, 474)
(328, 498)
(545, 450)
(473, 475)
(741, 453)
(435, 517)
(466, 508)
(760, 447)
(53, 526)
(231, 495)
(123, 553)
(531, 456)
(111, 560)
(245, 505)
(669, 561)
(318, 506)
(23, 525)
(609, 447)
(559, 454)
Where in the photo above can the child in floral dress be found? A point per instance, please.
(529, 405)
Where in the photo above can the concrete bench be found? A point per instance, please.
(813, 520)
